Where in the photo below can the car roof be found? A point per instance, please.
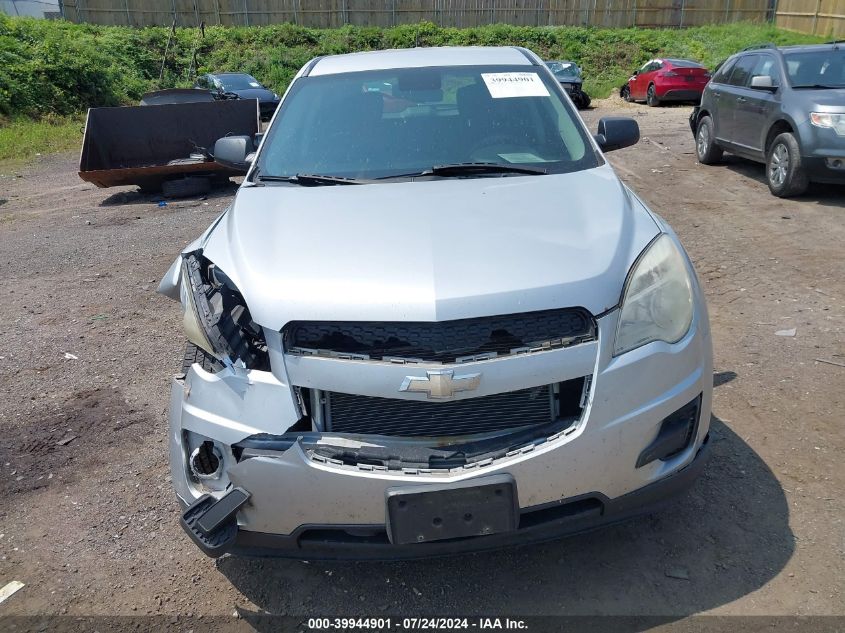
(792, 48)
(807, 47)
(229, 74)
(421, 58)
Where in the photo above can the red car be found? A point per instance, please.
(666, 80)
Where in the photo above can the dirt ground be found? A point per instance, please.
(89, 523)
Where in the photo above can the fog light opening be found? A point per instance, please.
(206, 461)
(677, 432)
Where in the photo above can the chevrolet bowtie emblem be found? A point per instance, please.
(441, 383)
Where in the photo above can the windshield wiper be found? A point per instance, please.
(312, 180)
(817, 87)
(468, 169)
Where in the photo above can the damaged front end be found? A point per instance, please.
(216, 317)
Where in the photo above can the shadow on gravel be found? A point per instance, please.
(136, 196)
(833, 195)
(726, 538)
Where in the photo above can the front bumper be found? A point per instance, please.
(822, 153)
(537, 524)
(303, 505)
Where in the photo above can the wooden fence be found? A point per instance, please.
(819, 17)
(456, 13)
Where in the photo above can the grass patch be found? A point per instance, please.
(22, 138)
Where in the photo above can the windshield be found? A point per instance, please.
(564, 69)
(238, 82)
(386, 123)
(818, 68)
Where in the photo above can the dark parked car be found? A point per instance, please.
(784, 107)
(662, 80)
(568, 75)
(240, 86)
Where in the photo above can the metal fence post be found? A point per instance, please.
(246, 13)
(681, 22)
(816, 15)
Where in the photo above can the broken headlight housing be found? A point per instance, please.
(657, 303)
(216, 317)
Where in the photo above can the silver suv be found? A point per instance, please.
(784, 107)
(432, 320)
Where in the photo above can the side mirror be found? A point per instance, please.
(234, 151)
(616, 132)
(636, 72)
(763, 82)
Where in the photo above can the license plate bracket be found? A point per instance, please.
(478, 507)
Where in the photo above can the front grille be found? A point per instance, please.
(347, 413)
(455, 341)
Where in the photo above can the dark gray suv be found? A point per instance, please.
(784, 107)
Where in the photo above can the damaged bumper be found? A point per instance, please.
(313, 495)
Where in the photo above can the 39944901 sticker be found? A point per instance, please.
(507, 85)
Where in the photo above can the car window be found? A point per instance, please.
(202, 82)
(821, 67)
(741, 73)
(564, 69)
(238, 82)
(723, 71)
(646, 67)
(378, 124)
(767, 66)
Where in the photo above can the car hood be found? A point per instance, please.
(825, 100)
(431, 250)
(262, 94)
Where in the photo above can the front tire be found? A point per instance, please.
(583, 101)
(784, 173)
(626, 94)
(194, 354)
(651, 97)
(706, 149)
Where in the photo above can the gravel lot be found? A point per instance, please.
(89, 523)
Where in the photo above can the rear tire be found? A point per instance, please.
(194, 354)
(784, 173)
(651, 97)
(186, 187)
(706, 149)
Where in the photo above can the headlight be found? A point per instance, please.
(829, 120)
(215, 315)
(657, 302)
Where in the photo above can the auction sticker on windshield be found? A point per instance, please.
(505, 85)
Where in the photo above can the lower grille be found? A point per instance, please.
(347, 413)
